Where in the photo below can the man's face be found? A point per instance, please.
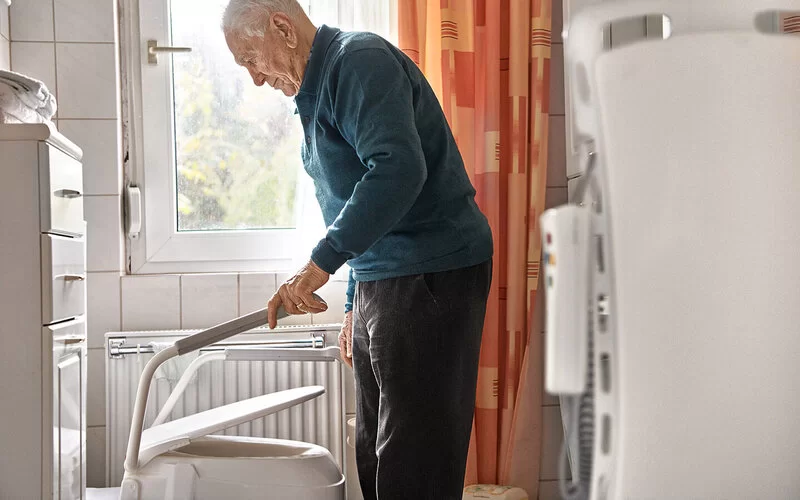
(267, 59)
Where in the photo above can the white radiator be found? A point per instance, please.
(320, 421)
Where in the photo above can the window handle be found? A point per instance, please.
(69, 277)
(67, 193)
(153, 50)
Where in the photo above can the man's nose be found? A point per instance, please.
(256, 77)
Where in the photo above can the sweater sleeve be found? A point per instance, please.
(373, 107)
(351, 292)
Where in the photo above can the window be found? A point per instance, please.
(215, 158)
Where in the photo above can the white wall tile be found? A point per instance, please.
(255, 289)
(335, 294)
(5, 54)
(299, 319)
(548, 399)
(84, 20)
(32, 20)
(548, 490)
(103, 309)
(4, 28)
(36, 59)
(104, 245)
(555, 196)
(208, 299)
(281, 278)
(572, 187)
(151, 302)
(96, 389)
(558, 21)
(101, 157)
(557, 79)
(552, 437)
(557, 153)
(96, 457)
(87, 83)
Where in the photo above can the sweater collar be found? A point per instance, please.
(316, 60)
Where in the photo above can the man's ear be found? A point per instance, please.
(285, 29)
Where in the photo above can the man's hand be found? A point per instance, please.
(346, 339)
(296, 295)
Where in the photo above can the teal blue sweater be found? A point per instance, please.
(388, 175)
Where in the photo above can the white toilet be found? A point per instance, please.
(181, 459)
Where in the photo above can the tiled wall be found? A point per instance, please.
(71, 46)
(552, 429)
(5, 37)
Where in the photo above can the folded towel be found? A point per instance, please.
(30, 91)
(13, 110)
(4, 118)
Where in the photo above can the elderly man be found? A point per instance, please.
(400, 210)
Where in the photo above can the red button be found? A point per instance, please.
(549, 238)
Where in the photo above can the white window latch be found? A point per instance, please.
(133, 213)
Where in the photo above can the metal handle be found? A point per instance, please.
(228, 329)
(153, 50)
(67, 193)
(272, 354)
(69, 277)
(119, 348)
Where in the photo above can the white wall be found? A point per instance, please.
(5, 44)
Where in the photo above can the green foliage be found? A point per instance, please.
(237, 148)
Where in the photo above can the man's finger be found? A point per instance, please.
(310, 303)
(343, 347)
(315, 301)
(272, 310)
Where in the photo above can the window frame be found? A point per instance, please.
(159, 247)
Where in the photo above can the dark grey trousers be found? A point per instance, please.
(416, 344)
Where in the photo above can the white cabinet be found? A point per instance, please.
(43, 311)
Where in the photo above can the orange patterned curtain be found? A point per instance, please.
(790, 23)
(489, 63)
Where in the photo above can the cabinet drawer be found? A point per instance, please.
(67, 400)
(61, 191)
(63, 278)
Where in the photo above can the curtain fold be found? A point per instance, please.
(489, 63)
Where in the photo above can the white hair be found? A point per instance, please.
(247, 17)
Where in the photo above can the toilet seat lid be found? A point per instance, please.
(177, 433)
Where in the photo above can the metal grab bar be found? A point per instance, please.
(118, 349)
